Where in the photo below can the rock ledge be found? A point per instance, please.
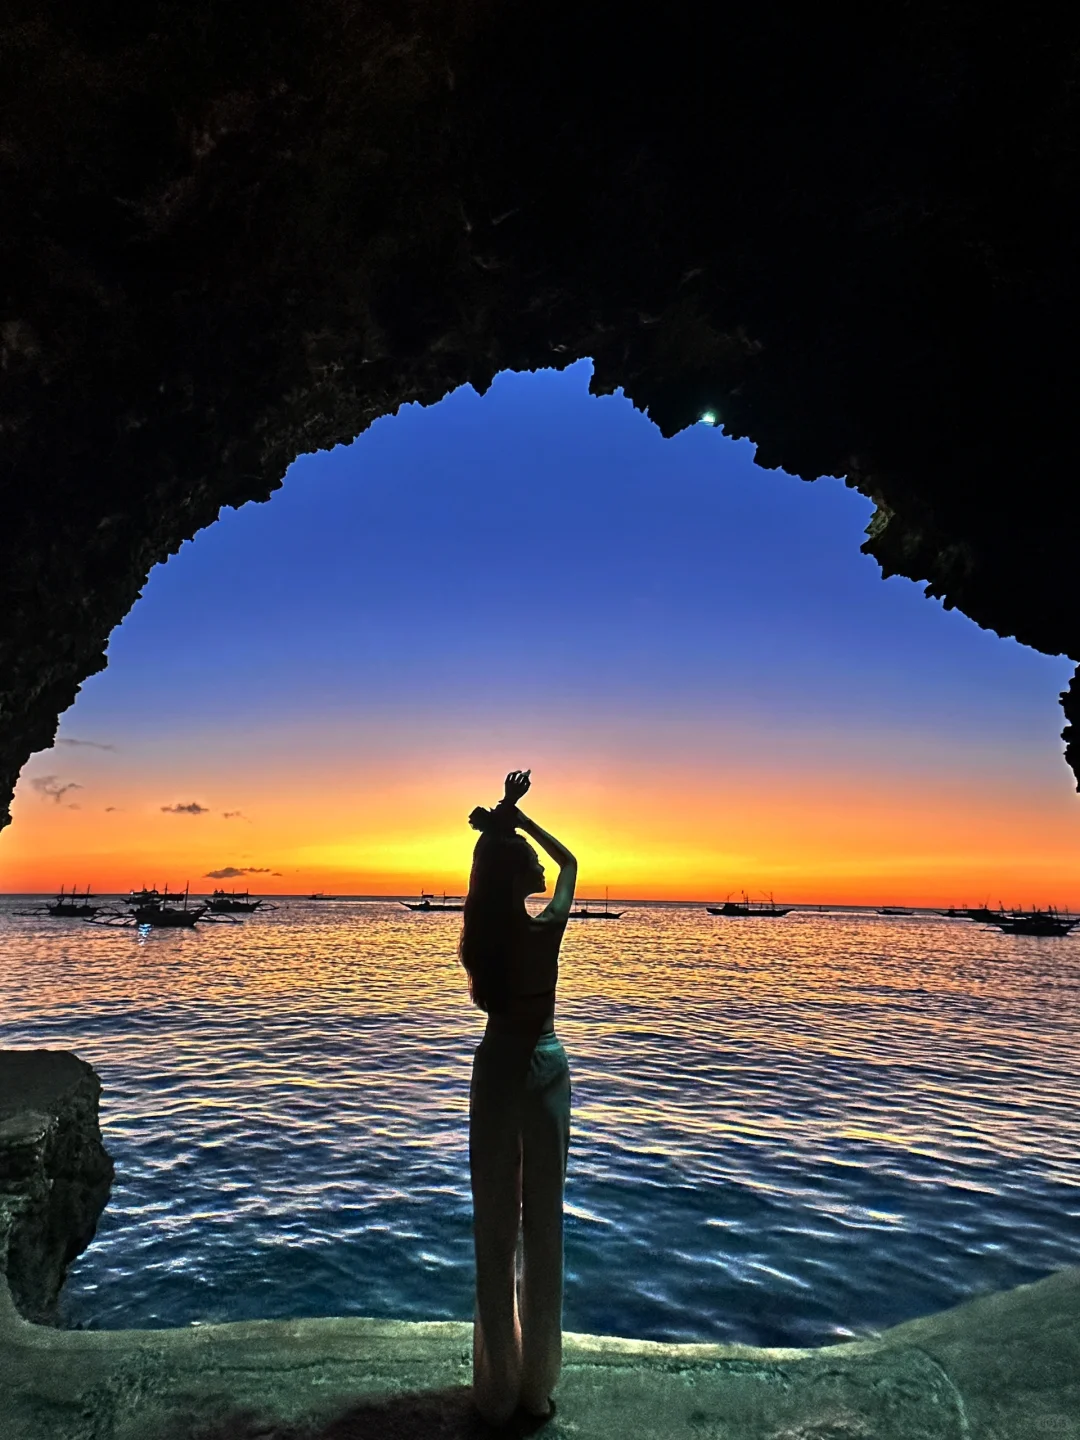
(54, 1172)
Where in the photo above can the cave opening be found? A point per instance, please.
(538, 570)
(717, 694)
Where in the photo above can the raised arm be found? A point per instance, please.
(559, 906)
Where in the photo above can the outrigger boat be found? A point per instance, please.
(747, 908)
(159, 910)
(584, 913)
(428, 902)
(73, 905)
(982, 913)
(978, 912)
(143, 896)
(894, 910)
(161, 915)
(985, 915)
(1036, 922)
(232, 903)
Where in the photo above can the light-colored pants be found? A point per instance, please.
(519, 1133)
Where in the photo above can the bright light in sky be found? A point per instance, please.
(715, 690)
(708, 418)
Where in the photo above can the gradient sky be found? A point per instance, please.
(715, 690)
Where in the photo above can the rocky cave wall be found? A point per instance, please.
(234, 233)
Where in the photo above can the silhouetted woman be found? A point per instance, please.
(519, 1109)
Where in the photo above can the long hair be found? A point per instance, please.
(494, 917)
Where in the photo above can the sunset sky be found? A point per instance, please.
(715, 690)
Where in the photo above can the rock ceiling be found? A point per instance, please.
(233, 233)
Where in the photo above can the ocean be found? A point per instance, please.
(785, 1131)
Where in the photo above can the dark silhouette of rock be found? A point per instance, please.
(231, 234)
(55, 1173)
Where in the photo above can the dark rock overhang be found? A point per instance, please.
(234, 233)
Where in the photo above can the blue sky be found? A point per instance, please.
(540, 565)
(545, 538)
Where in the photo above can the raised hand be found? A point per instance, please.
(517, 782)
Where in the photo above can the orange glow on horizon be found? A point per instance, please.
(825, 838)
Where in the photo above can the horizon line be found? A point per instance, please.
(578, 899)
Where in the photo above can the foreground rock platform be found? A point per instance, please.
(1004, 1366)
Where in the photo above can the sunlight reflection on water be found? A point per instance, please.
(785, 1132)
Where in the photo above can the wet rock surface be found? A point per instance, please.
(232, 234)
(1002, 1367)
(54, 1172)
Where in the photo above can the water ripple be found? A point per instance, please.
(785, 1132)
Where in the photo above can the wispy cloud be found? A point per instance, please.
(110, 808)
(49, 787)
(87, 744)
(233, 815)
(193, 808)
(233, 872)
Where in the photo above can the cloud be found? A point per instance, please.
(233, 872)
(89, 744)
(109, 808)
(73, 806)
(194, 808)
(232, 815)
(50, 788)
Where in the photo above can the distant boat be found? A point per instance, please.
(166, 917)
(232, 903)
(162, 911)
(143, 896)
(982, 913)
(985, 915)
(428, 902)
(746, 909)
(320, 896)
(1036, 922)
(584, 913)
(894, 910)
(74, 904)
(162, 915)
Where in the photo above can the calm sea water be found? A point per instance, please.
(785, 1132)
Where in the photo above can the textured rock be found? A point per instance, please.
(54, 1172)
(1013, 1355)
(395, 1380)
(234, 233)
(1002, 1367)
